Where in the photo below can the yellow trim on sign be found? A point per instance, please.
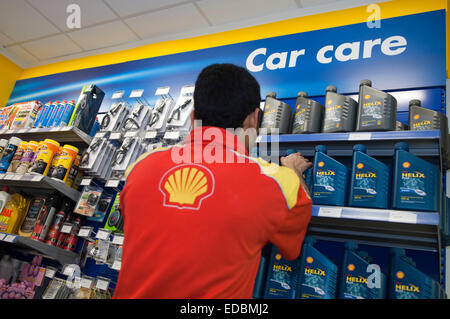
(389, 9)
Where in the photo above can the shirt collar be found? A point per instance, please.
(214, 134)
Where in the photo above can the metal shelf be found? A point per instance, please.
(55, 253)
(65, 134)
(39, 182)
(383, 227)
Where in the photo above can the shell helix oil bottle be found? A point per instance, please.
(318, 274)
(281, 282)
(421, 119)
(330, 179)
(370, 180)
(277, 115)
(340, 112)
(377, 110)
(307, 115)
(408, 282)
(416, 182)
(356, 282)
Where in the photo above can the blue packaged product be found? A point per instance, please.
(39, 115)
(330, 179)
(318, 274)
(45, 114)
(258, 288)
(8, 153)
(416, 182)
(59, 113)
(357, 280)
(407, 282)
(67, 113)
(370, 180)
(281, 281)
(52, 115)
(95, 128)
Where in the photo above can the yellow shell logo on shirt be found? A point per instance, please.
(185, 186)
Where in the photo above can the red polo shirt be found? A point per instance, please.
(197, 215)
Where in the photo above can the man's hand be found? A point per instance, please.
(296, 162)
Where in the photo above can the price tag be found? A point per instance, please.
(16, 177)
(172, 135)
(102, 284)
(115, 136)
(85, 232)
(334, 212)
(103, 234)
(100, 135)
(86, 182)
(66, 228)
(150, 135)
(136, 93)
(187, 90)
(131, 134)
(359, 136)
(162, 91)
(117, 95)
(10, 238)
(112, 183)
(402, 217)
(116, 265)
(118, 239)
(50, 272)
(2, 236)
(37, 178)
(8, 176)
(69, 270)
(86, 282)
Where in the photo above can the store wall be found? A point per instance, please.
(10, 73)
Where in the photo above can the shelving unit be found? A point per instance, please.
(23, 243)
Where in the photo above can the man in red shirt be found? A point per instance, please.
(197, 215)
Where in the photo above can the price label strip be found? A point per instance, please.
(103, 234)
(112, 183)
(334, 212)
(66, 228)
(163, 91)
(402, 217)
(116, 265)
(86, 282)
(359, 136)
(50, 272)
(118, 239)
(102, 284)
(10, 238)
(85, 231)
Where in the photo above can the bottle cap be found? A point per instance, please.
(271, 94)
(331, 88)
(3, 143)
(365, 82)
(415, 102)
(15, 141)
(302, 94)
(360, 148)
(402, 146)
(321, 148)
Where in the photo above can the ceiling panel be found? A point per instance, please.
(21, 22)
(309, 3)
(5, 40)
(51, 47)
(178, 19)
(92, 11)
(129, 7)
(104, 35)
(21, 53)
(219, 12)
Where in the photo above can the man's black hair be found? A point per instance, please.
(225, 94)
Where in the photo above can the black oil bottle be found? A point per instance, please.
(421, 119)
(276, 115)
(340, 112)
(307, 115)
(377, 110)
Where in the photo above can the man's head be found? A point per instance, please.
(226, 96)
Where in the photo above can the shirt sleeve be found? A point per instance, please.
(289, 236)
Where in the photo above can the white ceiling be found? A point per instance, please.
(34, 32)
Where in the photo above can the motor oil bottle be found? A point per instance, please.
(307, 175)
(330, 179)
(277, 116)
(307, 115)
(340, 112)
(370, 180)
(421, 119)
(408, 282)
(318, 274)
(55, 228)
(377, 110)
(282, 276)
(258, 288)
(35, 209)
(357, 280)
(415, 181)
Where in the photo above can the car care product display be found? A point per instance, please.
(88, 202)
(179, 117)
(407, 282)
(416, 182)
(136, 118)
(45, 218)
(13, 213)
(277, 116)
(5, 113)
(163, 107)
(356, 281)
(115, 220)
(86, 108)
(318, 274)
(330, 179)
(37, 204)
(26, 115)
(377, 110)
(114, 118)
(27, 157)
(370, 180)
(3, 145)
(102, 207)
(8, 153)
(340, 112)
(58, 220)
(64, 162)
(127, 153)
(4, 197)
(282, 277)
(15, 161)
(307, 115)
(44, 157)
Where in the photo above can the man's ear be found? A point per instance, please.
(253, 119)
